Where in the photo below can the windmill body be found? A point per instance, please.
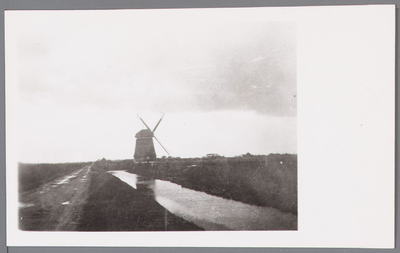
(144, 150)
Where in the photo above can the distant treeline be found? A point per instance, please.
(31, 176)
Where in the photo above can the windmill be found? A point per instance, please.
(144, 150)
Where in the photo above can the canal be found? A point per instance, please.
(207, 211)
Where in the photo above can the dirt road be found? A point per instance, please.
(56, 205)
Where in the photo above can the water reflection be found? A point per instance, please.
(207, 211)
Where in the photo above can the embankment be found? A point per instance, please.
(113, 205)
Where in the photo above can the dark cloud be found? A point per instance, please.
(258, 73)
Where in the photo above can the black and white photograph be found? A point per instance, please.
(143, 124)
(187, 127)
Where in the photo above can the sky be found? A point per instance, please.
(226, 84)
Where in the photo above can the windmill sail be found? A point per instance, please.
(160, 144)
(144, 122)
(158, 124)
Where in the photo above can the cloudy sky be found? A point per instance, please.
(226, 84)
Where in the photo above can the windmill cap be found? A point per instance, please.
(145, 133)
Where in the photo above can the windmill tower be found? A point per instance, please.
(144, 150)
